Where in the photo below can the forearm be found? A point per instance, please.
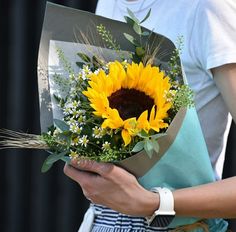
(214, 200)
(112, 186)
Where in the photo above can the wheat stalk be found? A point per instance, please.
(13, 139)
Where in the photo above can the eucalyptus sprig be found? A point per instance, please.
(149, 143)
(140, 43)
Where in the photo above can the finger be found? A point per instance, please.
(81, 177)
(103, 169)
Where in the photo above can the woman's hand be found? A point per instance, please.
(112, 186)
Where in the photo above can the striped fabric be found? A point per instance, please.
(107, 220)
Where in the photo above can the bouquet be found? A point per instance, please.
(112, 107)
(116, 92)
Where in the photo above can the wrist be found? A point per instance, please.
(150, 203)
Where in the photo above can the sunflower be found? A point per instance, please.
(131, 99)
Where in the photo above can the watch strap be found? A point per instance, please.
(164, 215)
(166, 205)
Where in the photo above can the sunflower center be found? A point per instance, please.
(130, 103)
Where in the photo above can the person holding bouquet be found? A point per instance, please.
(119, 202)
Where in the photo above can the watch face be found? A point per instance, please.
(162, 221)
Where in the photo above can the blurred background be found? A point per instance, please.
(29, 200)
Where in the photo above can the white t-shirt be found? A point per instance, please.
(209, 31)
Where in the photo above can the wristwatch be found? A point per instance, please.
(165, 214)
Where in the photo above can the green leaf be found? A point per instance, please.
(84, 57)
(157, 136)
(45, 167)
(145, 33)
(51, 159)
(140, 51)
(131, 39)
(148, 148)
(61, 125)
(146, 17)
(143, 134)
(58, 99)
(97, 63)
(129, 21)
(80, 64)
(66, 159)
(137, 28)
(138, 146)
(155, 145)
(132, 16)
(65, 137)
(149, 144)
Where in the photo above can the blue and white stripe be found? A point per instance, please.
(108, 220)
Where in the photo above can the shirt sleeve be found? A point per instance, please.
(104, 8)
(214, 33)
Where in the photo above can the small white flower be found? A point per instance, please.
(85, 72)
(82, 119)
(66, 111)
(106, 146)
(170, 95)
(56, 132)
(71, 121)
(97, 132)
(75, 128)
(97, 71)
(49, 133)
(76, 114)
(75, 141)
(75, 104)
(72, 77)
(73, 155)
(84, 140)
(81, 112)
(86, 69)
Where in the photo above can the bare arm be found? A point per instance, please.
(215, 199)
(225, 78)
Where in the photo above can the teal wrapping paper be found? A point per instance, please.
(186, 163)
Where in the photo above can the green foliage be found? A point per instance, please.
(149, 143)
(131, 39)
(84, 57)
(61, 125)
(140, 43)
(94, 62)
(175, 66)
(62, 84)
(80, 133)
(51, 159)
(108, 38)
(183, 98)
(66, 64)
(138, 146)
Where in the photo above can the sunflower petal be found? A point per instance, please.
(126, 137)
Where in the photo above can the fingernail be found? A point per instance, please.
(81, 162)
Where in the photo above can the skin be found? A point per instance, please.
(112, 186)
